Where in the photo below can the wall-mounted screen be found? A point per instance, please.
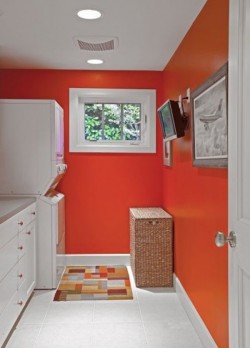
(171, 120)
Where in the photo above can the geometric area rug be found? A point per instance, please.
(94, 283)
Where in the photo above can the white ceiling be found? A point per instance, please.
(41, 34)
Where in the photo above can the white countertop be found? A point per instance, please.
(10, 206)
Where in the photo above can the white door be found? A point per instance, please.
(239, 173)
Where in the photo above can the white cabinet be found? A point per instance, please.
(50, 239)
(17, 266)
(32, 145)
(26, 253)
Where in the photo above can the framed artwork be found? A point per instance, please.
(167, 153)
(210, 121)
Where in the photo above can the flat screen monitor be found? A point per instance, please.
(171, 120)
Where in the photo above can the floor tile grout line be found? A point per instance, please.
(92, 326)
(136, 292)
(143, 324)
(18, 327)
(43, 321)
(138, 302)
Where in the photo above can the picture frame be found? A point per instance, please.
(167, 153)
(210, 121)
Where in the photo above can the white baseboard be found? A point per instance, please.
(92, 259)
(201, 329)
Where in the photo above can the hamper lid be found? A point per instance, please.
(149, 213)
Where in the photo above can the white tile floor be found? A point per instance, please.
(153, 319)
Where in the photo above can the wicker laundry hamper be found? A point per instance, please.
(151, 253)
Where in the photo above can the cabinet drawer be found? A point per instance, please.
(21, 247)
(26, 216)
(32, 212)
(22, 295)
(21, 272)
(8, 288)
(23, 219)
(30, 258)
(24, 238)
(8, 230)
(8, 257)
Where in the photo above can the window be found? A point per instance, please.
(108, 121)
(112, 120)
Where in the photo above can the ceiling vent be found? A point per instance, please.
(97, 43)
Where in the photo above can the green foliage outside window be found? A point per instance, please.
(112, 121)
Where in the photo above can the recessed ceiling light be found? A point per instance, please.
(95, 61)
(89, 14)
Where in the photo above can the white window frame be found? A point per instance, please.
(147, 99)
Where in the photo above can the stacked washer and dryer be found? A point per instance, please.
(32, 164)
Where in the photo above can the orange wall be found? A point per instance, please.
(197, 197)
(99, 188)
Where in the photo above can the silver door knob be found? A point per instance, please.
(221, 239)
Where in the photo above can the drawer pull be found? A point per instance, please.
(33, 213)
(20, 303)
(20, 247)
(20, 275)
(153, 222)
(29, 233)
(20, 223)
